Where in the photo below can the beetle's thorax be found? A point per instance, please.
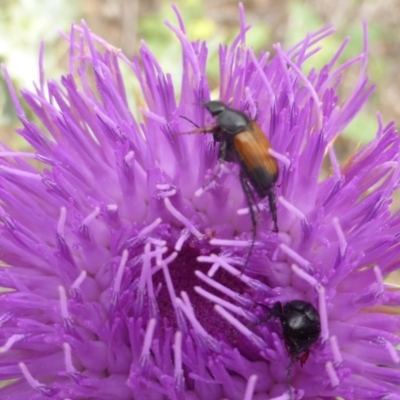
(233, 122)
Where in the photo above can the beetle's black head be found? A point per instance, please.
(215, 107)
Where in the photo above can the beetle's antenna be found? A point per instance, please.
(198, 129)
(189, 120)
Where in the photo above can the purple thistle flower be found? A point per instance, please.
(123, 278)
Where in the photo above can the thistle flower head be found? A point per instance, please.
(123, 280)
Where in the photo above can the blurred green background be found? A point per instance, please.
(124, 23)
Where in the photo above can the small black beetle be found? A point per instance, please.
(301, 326)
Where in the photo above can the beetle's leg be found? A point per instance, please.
(250, 202)
(276, 311)
(272, 208)
(289, 377)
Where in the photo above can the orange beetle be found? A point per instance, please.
(242, 141)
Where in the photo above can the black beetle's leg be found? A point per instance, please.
(254, 200)
(272, 208)
(250, 192)
(250, 203)
(289, 377)
(276, 311)
(223, 149)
